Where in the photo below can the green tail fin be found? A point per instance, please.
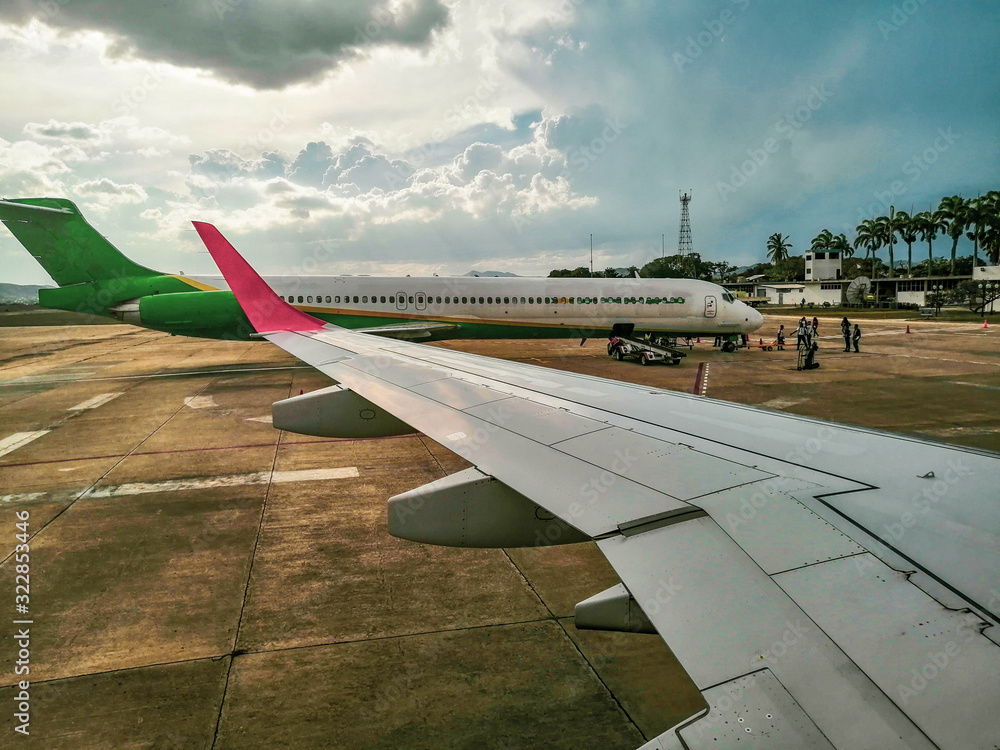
(72, 252)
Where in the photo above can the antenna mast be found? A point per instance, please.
(684, 246)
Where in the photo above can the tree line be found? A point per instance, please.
(978, 219)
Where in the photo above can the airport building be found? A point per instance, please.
(904, 290)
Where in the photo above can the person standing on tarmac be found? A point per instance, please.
(856, 338)
(800, 334)
(845, 328)
(781, 338)
(815, 327)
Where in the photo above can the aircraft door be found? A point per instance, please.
(710, 306)
(400, 301)
(421, 301)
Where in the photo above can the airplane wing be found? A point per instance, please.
(409, 331)
(823, 585)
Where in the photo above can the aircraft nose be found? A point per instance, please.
(752, 319)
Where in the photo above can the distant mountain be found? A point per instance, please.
(490, 273)
(22, 294)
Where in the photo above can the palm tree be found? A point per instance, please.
(887, 228)
(990, 239)
(952, 212)
(976, 216)
(841, 245)
(822, 241)
(928, 224)
(907, 231)
(868, 237)
(778, 247)
(611, 273)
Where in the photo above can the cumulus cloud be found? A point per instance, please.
(77, 131)
(266, 45)
(104, 193)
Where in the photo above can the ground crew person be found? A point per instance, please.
(856, 338)
(845, 328)
(781, 338)
(801, 334)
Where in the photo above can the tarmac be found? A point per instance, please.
(199, 579)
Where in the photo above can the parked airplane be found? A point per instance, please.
(824, 586)
(94, 277)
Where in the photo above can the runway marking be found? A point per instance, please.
(33, 379)
(182, 485)
(266, 420)
(231, 480)
(200, 402)
(21, 498)
(976, 385)
(19, 439)
(782, 403)
(93, 403)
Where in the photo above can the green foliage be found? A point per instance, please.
(790, 269)
(581, 272)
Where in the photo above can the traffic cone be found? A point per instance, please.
(985, 325)
(907, 327)
(698, 340)
(761, 342)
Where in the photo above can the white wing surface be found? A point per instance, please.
(823, 585)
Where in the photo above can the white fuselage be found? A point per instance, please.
(560, 306)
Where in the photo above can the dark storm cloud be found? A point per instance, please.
(266, 45)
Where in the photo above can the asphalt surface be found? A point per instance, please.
(201, 580)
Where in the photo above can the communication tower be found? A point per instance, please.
(684, 246)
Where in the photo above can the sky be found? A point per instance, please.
(435, 136)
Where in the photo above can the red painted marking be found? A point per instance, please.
(265, 309)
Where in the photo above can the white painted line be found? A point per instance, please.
(93, 403)
(19, 439)
(200, 402)
(23, 497)
(230, 480)
(266, 420)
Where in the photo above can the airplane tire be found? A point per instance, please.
(618, 355)
(729, 347)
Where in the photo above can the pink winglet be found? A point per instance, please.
(265, 309)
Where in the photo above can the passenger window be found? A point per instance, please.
(337, 299)
(447, 300)
(489, 300)
(382, 300)
(411, 299)
(438, 300)
(355, 298)
(480, 300)
(506, 300)
(392, 299)
(300, 298)
(365, 299)
(464, 300)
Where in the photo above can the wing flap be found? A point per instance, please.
(725, 619)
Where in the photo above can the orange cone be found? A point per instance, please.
(984, 324)
(761, 343)
(907, 327)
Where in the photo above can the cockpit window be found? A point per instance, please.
(728, 297)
